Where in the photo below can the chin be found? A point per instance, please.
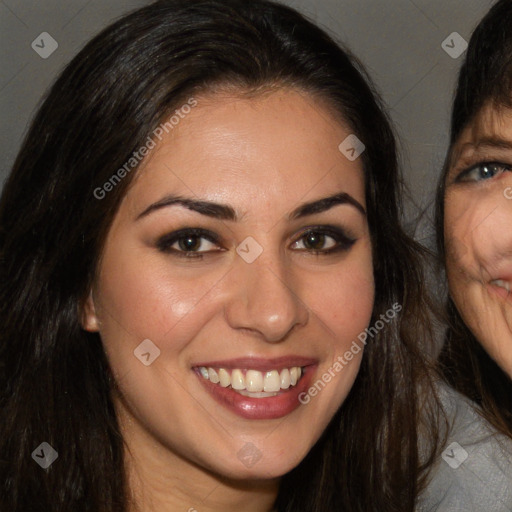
(262, 470)
(251, 463)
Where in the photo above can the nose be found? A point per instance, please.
(263, 300)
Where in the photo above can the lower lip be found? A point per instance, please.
(268, 408)
(500, 291)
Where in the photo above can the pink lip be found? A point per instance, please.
(500, 291)
(282, 404)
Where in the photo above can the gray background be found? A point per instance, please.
(399, 42)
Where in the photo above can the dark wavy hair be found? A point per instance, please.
(484, 79)
(56, 383)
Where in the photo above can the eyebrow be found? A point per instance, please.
(468, 151)
(226, 212)
(322, 205)
(488, 142)
(493, 142)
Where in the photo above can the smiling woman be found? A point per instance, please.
(474, 222)
(157, 340)
(187, 277)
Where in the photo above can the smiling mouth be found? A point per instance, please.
(500, 283)
(253, 383)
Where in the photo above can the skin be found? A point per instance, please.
(478, 234)
(264, 156)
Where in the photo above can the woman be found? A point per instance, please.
(207, 301)
(474, 218)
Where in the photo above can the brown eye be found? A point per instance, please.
(323, 241)
(315, 241)
(189, 242)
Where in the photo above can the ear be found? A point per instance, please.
(88, 318)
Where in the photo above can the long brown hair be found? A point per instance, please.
(55, 384)
(485, 78)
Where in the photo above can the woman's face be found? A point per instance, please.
(239, 258)
(478, 231)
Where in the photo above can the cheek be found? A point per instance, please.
(343, 300)
(146, 300)
(477, 232)
(458, 221)
(456, 248)
(465, 215)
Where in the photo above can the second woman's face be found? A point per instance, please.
(235, 278)
(478, 231)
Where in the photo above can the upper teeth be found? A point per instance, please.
(502, 284)
(255, 381)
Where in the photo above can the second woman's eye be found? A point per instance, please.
(323, 241)
(483, 171)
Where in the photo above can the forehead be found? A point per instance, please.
(228, 145)
(490, 123)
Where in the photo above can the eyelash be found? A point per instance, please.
(463, 176)
(164, 244)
